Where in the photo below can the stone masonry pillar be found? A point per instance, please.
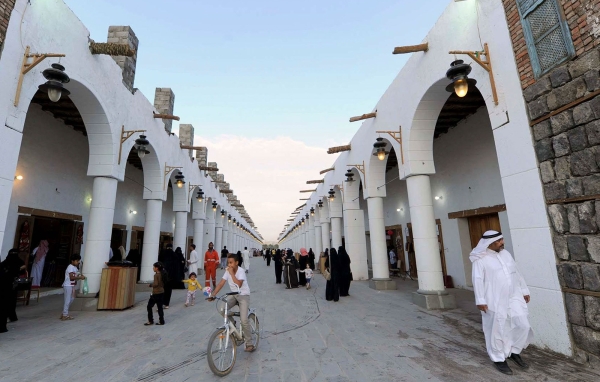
(186, 136)
(125, 35)
(164, 103)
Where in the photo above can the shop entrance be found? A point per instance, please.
(64, 233)
(118, 238)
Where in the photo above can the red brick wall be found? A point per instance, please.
(583, 18)
(6, 7)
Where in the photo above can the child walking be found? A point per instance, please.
(193, 286)
(308, 273)
(156, 298)
(69, 285)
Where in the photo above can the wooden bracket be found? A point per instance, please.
(364, 116)
(484, 63)
(411, 48)
(27, 66)
(397, 136)
(168, 170)
(361, 168)
(191, 187)
(125, 135)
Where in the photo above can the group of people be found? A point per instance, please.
(337, 264)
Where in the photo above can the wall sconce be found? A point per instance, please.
(214, 206)
(439, 197)
(55, 79)
(312, 211)
(142, 143)
(168, 170)
(302, 221)
(229, 218)
(459, 72)
(379, 147)
(179, 179)
(19, 177)
(223, 214)
(349, 176)
(320, 203)
(89, 199)
(133, 212)
(331, 195)
(200, 195)
(234, 221)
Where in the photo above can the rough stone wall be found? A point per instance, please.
(125, 35)
(164, 102)
(186, 136)
(583, 18)
(6, 8)
(567, 146)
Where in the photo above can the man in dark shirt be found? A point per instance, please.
(224, 254)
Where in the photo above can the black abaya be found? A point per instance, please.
(10, 267)
(278, 267)
(311, 259)
(332, 288)
(179, 269)
(345, 274)
(302, 266)
(268, 257)
(290, 274)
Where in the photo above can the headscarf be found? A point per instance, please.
(42, 250)
(303, 252)
(488, 238)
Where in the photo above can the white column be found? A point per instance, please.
(209, 227)
(356, 243)
(199, 241)
(317, 238)
(225, 240)
(311, 233)
(336, 233)
(378, 244)
(429, 265)
(102, 212)
(231, 237)
(325, 228)
(180, 234)
(151, 239)
(218, 233)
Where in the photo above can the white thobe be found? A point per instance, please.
(246, 257)
(193, 262)
(498, 284)
(37, 270)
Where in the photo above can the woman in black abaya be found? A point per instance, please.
(179, 269)
(311, 259)
(278, 266)
(302, 265)
(345, 273)
(10, 268)
(290, 274)
(332, 289)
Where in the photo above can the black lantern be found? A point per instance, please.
(379, 147)
(223, 213)
(141, 143)
(349, 176)
(331, 195)
(302, 221)
(214, 206)
(306, 217)
(459, 75)
(200, 195)
(179, 179)
(229, 218)
(320, 203)
(56, 77)
(233, 220)
(312, 211)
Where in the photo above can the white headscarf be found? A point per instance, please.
(488, 238)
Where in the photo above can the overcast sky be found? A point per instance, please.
(267, 84)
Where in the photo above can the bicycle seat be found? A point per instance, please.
(232, 293)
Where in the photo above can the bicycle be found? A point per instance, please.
(221, 352)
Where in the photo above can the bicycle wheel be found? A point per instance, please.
(221, 353)
(255, 327)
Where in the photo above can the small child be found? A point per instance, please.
(193, 286)
(69, 285)
(158, 292)
(308, 273)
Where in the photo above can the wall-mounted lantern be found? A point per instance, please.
(200, 195)
(179, 179)
(312, 211)
(349, 176)
(214, 206)
(379, 147)
(331, 195)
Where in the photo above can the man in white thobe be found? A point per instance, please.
(502, 296)
(193, 261)
(246, 256)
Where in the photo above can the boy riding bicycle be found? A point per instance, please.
(236, 278)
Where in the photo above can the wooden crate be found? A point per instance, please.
(117, 288)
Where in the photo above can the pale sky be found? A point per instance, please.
(267, 84)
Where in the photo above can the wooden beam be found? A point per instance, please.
(574, 199)
(411, 48)
(364, 116)
(315, 181)
(207, 168)
(327, 170)
(477, 211)
(581, 292)
(165, 116)
(566, 107)
(199, 148)
(48, 214)
(309, 190)
(339, 149)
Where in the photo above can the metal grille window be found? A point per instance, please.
(546, 33)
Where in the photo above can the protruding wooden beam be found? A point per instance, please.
(304, 198)
(315, 181)
(199, 148)
(207, 168)
(411, 48)
(339, 149)
(327, 170)
(309, 190)
(111, 49)
(165, 116)
(364, 116)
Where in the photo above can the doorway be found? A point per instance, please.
(481, 223)
(118, 238)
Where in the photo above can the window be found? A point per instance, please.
(547, 34)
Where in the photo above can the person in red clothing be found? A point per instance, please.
(211, 260)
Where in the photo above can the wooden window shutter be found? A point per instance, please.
(547, 34)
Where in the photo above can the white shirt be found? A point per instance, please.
(193, 260)
(240, 275)
(392, 257)
(308, 273)
(70, 269)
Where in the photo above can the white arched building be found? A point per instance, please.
(68, 166)
(455, 166)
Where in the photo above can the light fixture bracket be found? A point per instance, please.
(168, 170)
(26, 66)
(484, 63)
(125, 135)
(397, 136)
(361, 168)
